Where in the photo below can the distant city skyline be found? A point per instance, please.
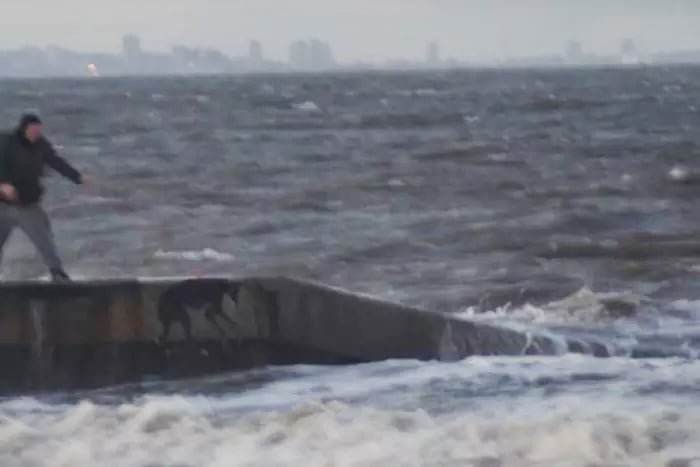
(362, 30)
(315, 54)
(303, 55)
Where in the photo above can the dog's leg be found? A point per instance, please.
(186, 324)
(165, 335)
(234, 326)
(212, 311)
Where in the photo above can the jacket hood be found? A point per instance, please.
(25, 121)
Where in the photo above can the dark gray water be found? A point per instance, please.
(529, 198)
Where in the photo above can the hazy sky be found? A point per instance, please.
(356, 29)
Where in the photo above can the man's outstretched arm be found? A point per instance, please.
(59, 164)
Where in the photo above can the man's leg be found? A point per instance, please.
(7, 223)
(36, 224)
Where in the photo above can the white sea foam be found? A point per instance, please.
(308, 106)
(207, 254)
(426, 92)
(420, 415)
(581, 308)
(420, 92)
(678, 173)
(84, 199)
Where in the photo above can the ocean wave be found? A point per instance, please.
(552, 103)
(410, 120)
(505, 412)
(420, 92)
(207, 254)
(582, 307)
(472, 153)
(605, 324)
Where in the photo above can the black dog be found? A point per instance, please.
(202, 295)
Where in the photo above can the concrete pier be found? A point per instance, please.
(92, 334)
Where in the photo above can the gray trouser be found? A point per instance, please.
(34, 222)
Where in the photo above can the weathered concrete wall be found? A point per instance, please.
(99, 333)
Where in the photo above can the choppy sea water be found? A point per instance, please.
(532, 199)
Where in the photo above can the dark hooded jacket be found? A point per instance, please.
(22, 164)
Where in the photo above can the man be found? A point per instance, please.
(24, 153)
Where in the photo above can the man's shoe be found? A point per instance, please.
(59, 275)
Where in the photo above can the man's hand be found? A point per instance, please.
(8, 192)
(85, 180)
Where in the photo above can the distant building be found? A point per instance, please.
(314, 55)
(574, 52)
(299, 54)
(131, 46)
(432, 53)
(215, 61)
(185, 58)
(628, 47)
(255, 52)
(628, 52)
(321, 55)
(189, 60)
